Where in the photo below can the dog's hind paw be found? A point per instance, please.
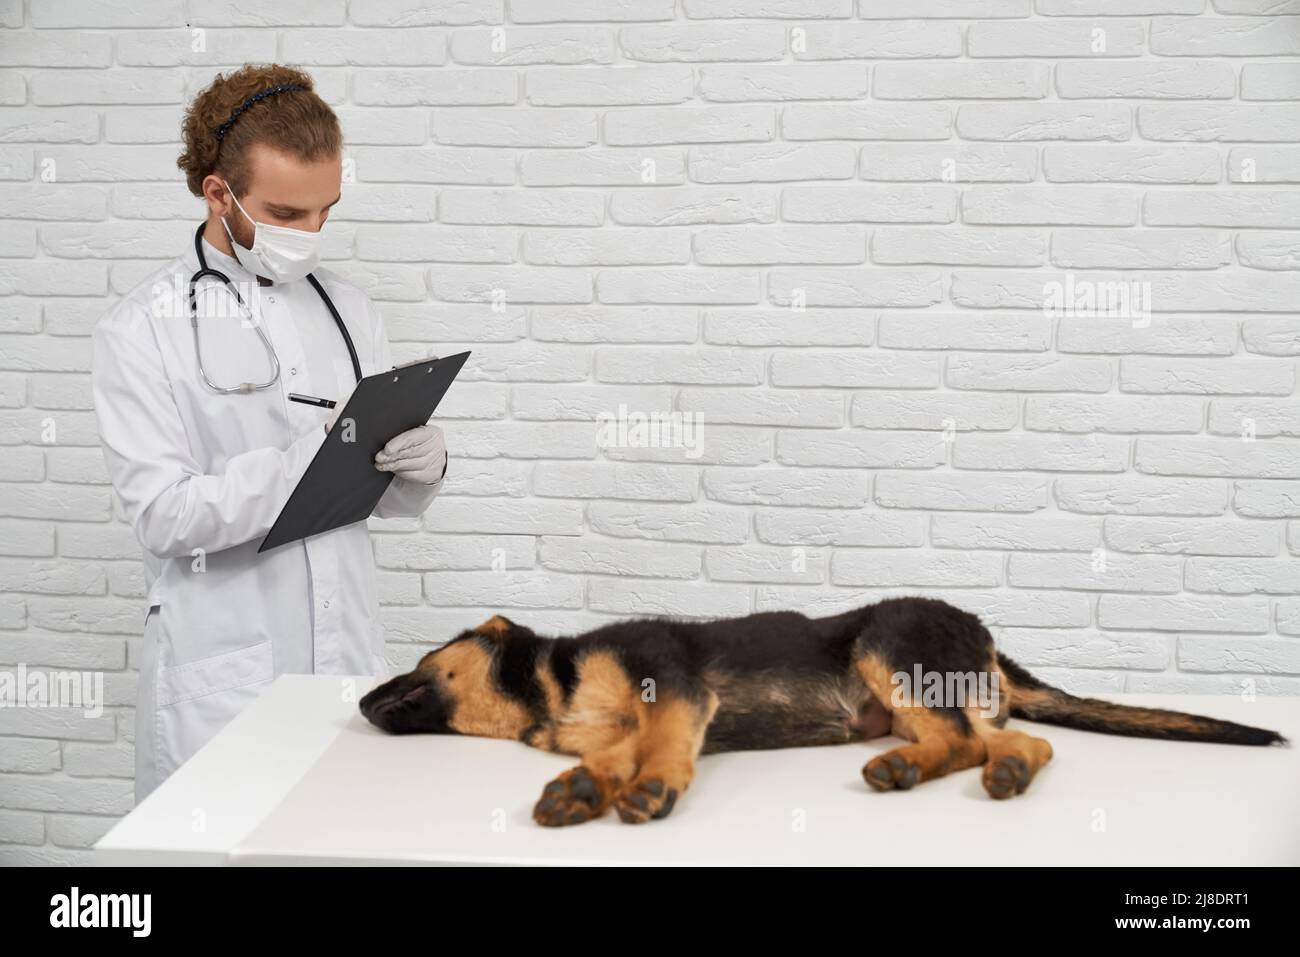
(891, 771)
(1006, 776)
(644, 800)
(572, 798)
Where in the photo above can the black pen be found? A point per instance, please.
(311, 400)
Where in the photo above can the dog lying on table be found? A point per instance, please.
(638, 701)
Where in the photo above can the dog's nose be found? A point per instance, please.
(371, 699)
(382, 703)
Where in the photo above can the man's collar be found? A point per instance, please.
(229, 265)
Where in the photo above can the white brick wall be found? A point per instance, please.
(827, 227)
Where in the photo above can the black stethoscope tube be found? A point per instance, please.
(205, 270)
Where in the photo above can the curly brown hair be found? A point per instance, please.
(298, 122)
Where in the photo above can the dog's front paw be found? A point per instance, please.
(645, 799)
(574, 797)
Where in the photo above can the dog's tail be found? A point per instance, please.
(1035, 700)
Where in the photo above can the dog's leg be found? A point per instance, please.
(1013, 758)
(944, 739)
(602, 725)
(672, 734)
(944, 742)
(586, 792)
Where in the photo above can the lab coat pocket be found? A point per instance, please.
(198, 698)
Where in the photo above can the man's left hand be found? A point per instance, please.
(418, 455)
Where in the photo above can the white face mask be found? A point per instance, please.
(279, 253)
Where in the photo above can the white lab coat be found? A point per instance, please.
(202, 477)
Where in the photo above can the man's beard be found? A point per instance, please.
(243, 231)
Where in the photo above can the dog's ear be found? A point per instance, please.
(495, 626)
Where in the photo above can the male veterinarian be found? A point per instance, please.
(203, 445)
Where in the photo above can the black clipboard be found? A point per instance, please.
(341, 485)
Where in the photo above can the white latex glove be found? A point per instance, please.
(418, 455)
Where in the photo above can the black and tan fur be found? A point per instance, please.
(639, 701)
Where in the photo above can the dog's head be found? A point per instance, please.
(463, 687)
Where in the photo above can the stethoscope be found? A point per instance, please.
(205, 270)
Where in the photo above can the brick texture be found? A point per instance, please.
(993, 300)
